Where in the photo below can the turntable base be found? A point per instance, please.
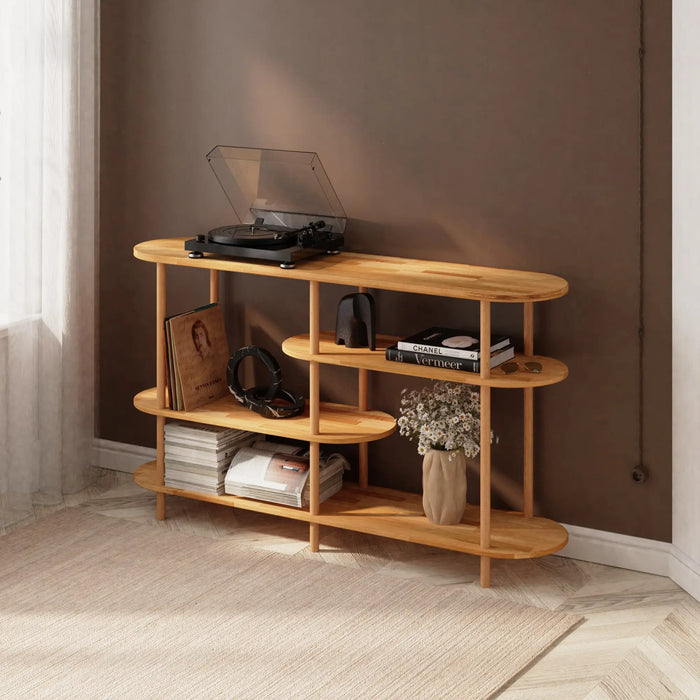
(286, 255)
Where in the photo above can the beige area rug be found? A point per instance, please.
(98, 607)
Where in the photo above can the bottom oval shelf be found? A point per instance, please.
(399, 515)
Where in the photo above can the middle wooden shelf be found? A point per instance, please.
(553, 371)
(338, 424)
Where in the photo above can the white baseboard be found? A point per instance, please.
(636, 553)
(613, 549)
(120, 456)
(684, 571)
(586, 544)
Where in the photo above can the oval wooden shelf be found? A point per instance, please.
(338, 424)
(553, 371)
(399, 515)
(443, 279)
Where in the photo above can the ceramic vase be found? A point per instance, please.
(444, 486)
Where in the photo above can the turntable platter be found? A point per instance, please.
(252, 234)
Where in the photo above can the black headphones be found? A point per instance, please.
(271, 401)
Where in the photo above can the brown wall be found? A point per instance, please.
(503, 133)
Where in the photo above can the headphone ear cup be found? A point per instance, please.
(256, 400)
(293, 404)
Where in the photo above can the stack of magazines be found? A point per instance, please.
(450, 348)
(197, 456)
(279, 473)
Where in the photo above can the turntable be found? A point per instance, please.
(285, 204)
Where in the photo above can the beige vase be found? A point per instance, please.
(444, 486)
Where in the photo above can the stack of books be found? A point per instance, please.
(198, 456)
(450, 348)
(279, 473)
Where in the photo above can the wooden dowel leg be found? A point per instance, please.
(160, 385)
(528, 453)
(528, 415)
(314, 329)
(528, 328)
(314, 537)
(160, 465)
(485, 572)
(363, 476)
(485, 444)
(160, 506)
(314, 415)
(314, 529)
(485, 484)
(213, 286)
(314, 409)
(314, 335)
(363, 447)
(160, 335)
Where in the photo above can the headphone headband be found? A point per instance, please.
(271, 401)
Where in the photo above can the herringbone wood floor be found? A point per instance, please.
(640, 637)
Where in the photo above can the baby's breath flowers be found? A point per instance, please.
(442, 417)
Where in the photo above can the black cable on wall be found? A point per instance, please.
(639, 473)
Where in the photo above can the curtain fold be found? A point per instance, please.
(48, 79)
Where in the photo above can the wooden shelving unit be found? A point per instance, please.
(483, 532)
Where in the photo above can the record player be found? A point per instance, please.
(285, 204)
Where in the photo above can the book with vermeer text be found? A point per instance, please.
(498, 357)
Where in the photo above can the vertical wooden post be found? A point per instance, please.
(362, 400)
(528, 415)
(363, 404)
(314, 409)
(314, 505)
(485, 449)
(213, 286)
(363, 447)
(160, 385)
(528, 328)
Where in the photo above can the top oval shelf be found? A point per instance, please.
(378, 271)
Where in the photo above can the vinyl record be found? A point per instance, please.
(252, 235)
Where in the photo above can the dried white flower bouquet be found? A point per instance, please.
(445, 416)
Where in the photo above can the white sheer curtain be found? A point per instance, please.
(48, 79)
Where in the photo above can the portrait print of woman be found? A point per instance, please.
(200, 338)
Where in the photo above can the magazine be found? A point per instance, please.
(281, 477)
